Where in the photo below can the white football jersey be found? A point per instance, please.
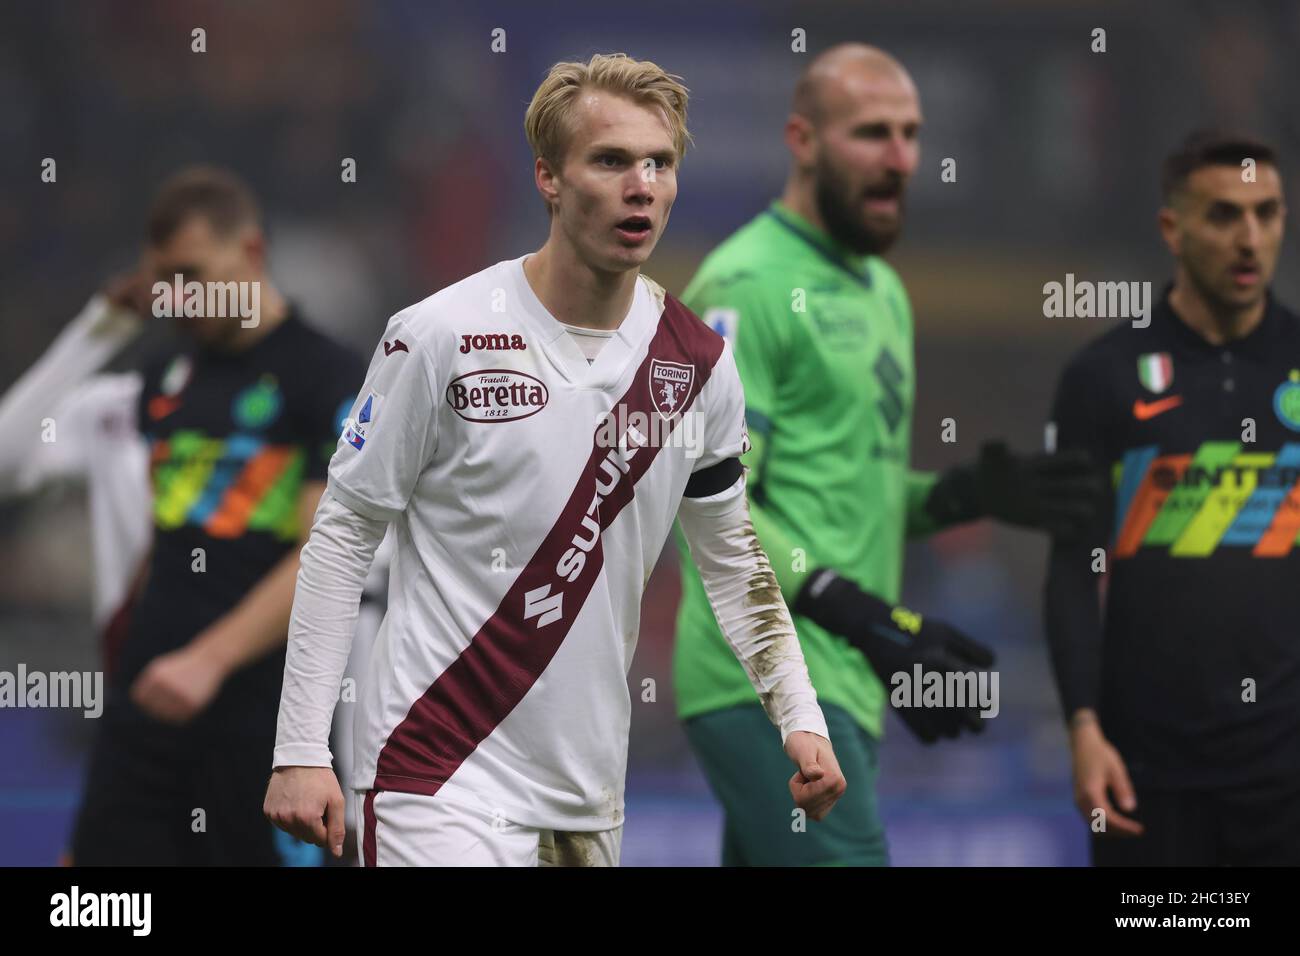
(531, 494)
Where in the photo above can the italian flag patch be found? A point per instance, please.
(1155, 371)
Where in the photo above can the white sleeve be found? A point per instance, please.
(723, 400)
(392, 432)
(58, 388)
(748, 606)
(326, 603)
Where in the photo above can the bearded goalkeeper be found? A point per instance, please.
(822, 332)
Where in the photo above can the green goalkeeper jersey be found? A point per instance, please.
(823, 341)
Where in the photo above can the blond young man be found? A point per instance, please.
(531, 432)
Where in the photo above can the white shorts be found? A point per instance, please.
(410, 829)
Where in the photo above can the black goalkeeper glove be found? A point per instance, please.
(1058, 493)
(895, 640)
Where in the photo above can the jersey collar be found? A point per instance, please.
(855, 265)
(565, 355)
(219, 356)
(1258, 343)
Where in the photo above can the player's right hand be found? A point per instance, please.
(818, 783)
(307, 803)
(1099, 772)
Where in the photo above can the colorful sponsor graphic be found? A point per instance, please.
(227, 486)
(1286, 401)
(1220, 496)
(1155, 371)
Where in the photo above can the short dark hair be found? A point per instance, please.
(217, 194)
(1210, 148)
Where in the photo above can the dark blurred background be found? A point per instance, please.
(1057, 151)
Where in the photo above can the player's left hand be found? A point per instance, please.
(818, 782)
(177, 686)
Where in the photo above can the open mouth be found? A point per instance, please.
(885, 198)
(634, 230)
(1245, 273)
(635, 224)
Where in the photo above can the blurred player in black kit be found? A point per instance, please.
(1183, 695)
(240, 424)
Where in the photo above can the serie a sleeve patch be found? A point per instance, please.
(356, 429)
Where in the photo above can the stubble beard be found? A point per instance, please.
(839, 207)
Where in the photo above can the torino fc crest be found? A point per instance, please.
(670, 383)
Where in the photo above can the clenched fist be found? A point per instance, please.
(818, 782)
(307, 802)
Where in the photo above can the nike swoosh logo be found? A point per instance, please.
(1144, 410)
(397, 346)
(160, 406)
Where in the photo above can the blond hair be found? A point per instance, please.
(547, 122)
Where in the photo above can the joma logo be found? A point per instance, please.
(491, 343)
